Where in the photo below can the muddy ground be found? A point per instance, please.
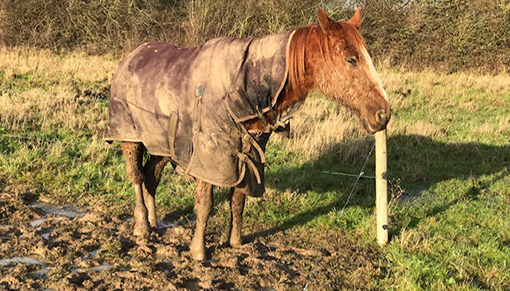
(49, 247)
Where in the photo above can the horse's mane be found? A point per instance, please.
(301, 40)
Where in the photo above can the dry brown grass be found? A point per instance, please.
(49, 96)
(45, 63)
(53, 97)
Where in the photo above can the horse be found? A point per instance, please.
(209, 110)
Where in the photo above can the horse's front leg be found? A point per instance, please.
(152, 174)
(237, 199)
(203, 207)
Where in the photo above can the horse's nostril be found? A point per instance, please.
(380, 116)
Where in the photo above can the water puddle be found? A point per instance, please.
(21, 260)
(101, 268)
(46, 235)
(167, 224)
(27, 261)
(40, 273)
(68, 211)
(46, 232)
(37, 223)
(95, 269)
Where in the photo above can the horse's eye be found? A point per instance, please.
(352, 61)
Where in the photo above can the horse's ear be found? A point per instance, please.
(325, 22)
(356, 19)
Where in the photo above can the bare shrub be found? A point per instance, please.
(96, 26)
(446, 34)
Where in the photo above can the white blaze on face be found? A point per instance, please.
(373, 74)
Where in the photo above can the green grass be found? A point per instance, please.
(449, 161)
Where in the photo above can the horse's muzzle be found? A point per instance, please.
(381, 119)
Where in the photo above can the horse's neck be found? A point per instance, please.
(300, 78)
(291, 98)
(286, 101)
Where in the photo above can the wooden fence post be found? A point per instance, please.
(381, 187)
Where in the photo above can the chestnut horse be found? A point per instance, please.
(330, 57)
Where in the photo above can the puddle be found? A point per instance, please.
(68, 211)
(46, 235)
(167, 224)
(22, 260)
(64, 210)
(95, 269)
(41, 273)
(37, 223)
(101, 268)
(46, 232)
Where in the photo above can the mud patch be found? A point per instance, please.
(52, 247)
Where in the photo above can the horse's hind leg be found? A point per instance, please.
(152, 174)
(203, 207)
(133, 152)
(237, 199)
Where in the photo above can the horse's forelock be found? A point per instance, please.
(353, 36)
(303, 39)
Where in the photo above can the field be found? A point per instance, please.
(449, 161)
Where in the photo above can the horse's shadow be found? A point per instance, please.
(418, 162)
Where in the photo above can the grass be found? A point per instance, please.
(449, 157)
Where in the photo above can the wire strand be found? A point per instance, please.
(317, 261)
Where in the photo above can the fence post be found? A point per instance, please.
(381, 187)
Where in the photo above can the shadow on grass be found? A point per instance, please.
(419, 162)
(298, 219)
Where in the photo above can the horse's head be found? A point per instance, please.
(344, 71)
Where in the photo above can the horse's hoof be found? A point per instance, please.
(141, 234)
(236, 243)
(154, 225)
(199, 257)
(142, 230)
(197, 253)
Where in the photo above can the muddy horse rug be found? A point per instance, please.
(188, 103)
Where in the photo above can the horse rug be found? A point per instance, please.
(189, 103)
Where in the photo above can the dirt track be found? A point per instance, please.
(60, 248)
